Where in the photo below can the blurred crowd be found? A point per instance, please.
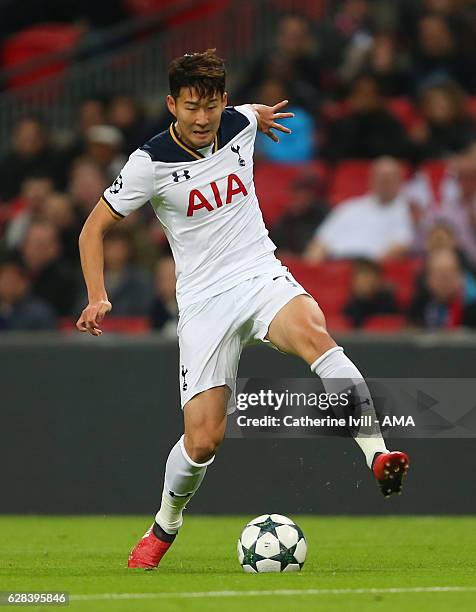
(392, 84)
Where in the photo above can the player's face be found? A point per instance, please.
(198, 119)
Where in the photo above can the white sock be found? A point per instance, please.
(334, 364)
(183, 477)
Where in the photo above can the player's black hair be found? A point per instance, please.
(205, 72)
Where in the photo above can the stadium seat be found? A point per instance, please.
(403, 110)
(113, 324)
(385, 323)
(274, 185)
(337, 323)
(471, 106)
(328, 282)
(30, 44)
(401, 275)
(351, 179)
(434, 170)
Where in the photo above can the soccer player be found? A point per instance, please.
(231, 289)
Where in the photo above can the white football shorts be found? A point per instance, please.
(213, 332)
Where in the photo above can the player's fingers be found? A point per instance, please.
(93, 330)
(273, 136)
(92, 323)
(81, 325)
(280, 104)
(281, 128)
(283, 115)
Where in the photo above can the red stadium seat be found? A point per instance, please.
(327, 282)
(337, 323)
(351, 179)
(274, 185)
(471, 106)
(401, 275)
(385, 323)
(127, 325)
(400, 107)
(34, 42)
(403, 109)
(434, 170)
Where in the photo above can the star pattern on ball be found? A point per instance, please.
(268, 526)
(250, 556)
(286, 556)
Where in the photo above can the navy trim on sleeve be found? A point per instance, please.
(232, 123)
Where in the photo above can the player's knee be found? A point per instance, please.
(317, 340)
(318, 336)
(202, 446)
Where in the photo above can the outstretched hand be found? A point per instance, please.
(267, 116)
(92, 316)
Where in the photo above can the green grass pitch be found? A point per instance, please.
(384, 564)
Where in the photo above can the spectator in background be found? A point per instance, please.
(368, 131)
(376, 226)
(92, 112)
(60, 212)
(438, 55)
(446, 127)
(369, 294)
(31, 154)
(127, 116)
(300, 144)
(388, 66)
(128, 286)
(442, 236)
(447, 297)
(458, 206)
(344, 37)
(52, 278)
(293, 60)
(31, 207)
(104, 147)
(86, 185)
(294, 230)
(164, 310)
(19, 310)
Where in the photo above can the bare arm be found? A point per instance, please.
(315, 252)
(92, 262)
(396, 251)
(267, 115)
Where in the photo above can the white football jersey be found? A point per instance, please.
(206, 205)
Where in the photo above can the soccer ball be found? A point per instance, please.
(271, 543)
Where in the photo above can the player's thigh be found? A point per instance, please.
(210, 350)
(205, 420)
(300, 328)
